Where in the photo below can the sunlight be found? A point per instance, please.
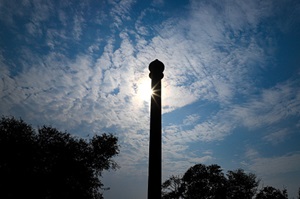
(144, 90)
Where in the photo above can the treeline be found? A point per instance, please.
(49, 164)
(209, 182)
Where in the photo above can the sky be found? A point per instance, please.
(230, 92)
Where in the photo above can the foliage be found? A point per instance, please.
(269, 192)
(202, 182)
(52, 164)
(172, 188)
(209, 182)
(241, 185)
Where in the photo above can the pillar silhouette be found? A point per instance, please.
(154, 176)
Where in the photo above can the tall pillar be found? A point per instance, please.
(154, 177)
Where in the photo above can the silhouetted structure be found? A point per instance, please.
(154, 179)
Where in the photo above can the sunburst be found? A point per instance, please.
(144, 90)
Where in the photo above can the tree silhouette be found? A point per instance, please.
(209, 182)
(52, 164)
(241, 185)
(202, 182)
(172, 188)
(198, 182)
(269, 192)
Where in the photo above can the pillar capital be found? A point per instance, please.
(156, 69)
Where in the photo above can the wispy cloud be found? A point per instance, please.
(277, 136)
(280, 171)
(271, 106)
(77, 28)
(276, 165)
(121, 11)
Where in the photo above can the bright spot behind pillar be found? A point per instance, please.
(144, 91)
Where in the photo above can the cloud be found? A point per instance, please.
(40, 11)
(278, 171)
(121, 11)
(277, 136)
(77, 28)
(266, 109)
(286, 163)
(274, 105)
(251, 153)
(202, 60)
(158, 2)
(270, 107)
(191, 119)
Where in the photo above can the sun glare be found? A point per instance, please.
(144, 90)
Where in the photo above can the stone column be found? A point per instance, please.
(155, 154)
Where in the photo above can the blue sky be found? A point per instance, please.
(231, 91)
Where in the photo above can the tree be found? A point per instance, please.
(204, 182)
(209, 182)
(269, 192)
(241, 185)
(172, 188)
(52, 164)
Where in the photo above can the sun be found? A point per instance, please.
(144, 90)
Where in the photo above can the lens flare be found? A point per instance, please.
(144, 90)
